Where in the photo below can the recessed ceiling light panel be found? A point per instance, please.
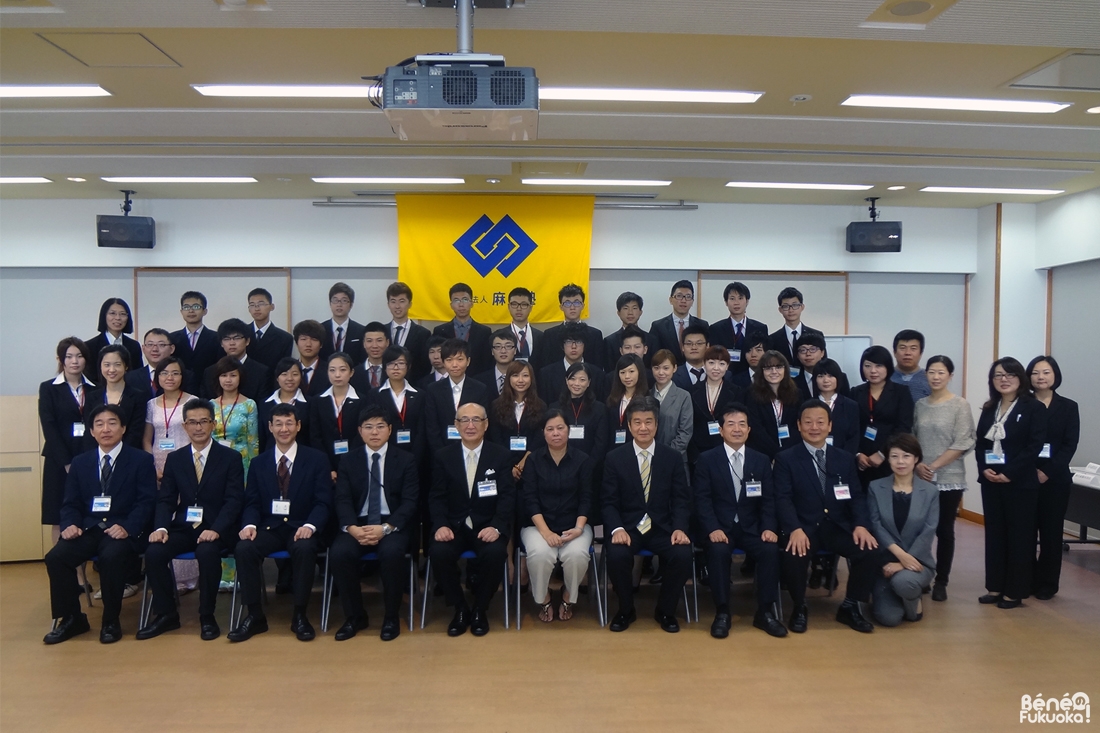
(24, 179)
(953, 103)
(27, 91)
(390, 181)
(604, 182)
(309, 91)
(800, 186)
(594, 94)
(179, 179)
(1005, 191)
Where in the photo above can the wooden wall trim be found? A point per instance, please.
(966, 331)
(972, 516)
(1050, 306)
(997, 291)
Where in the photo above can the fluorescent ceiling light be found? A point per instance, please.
(895, 188)
(1008, 191)
(286, 90)
(606, 182)
(952, 103)
(802, 186)
(592, 94)
(16, 91)
(1093, 110)
(24, 179)
(179, 179)
(395, 181)
(893, 26)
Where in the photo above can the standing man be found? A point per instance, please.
(629, 307)
(571, 302)
(267, 342)
(405, 332)
(255, 377)
(157, 346)
(198, 508)
(462, 326)
(668, 332)
(504, 353)
(530, 342)
(908, 349)
(551, 382)
(342, 333)
(109, 497)
(784, 340)
(444, 396)
(731, 332)
(308, 337)
(195, 344)
(692, 369)
(369, 375)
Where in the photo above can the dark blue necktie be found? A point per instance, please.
(374, 492)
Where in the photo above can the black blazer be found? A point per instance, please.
(701, 439)
(624, 504)
(594, 351)
(799, 500)
(133, 492)
(440, 408)
(220, 493)
(325, 429)
(764, 433)
(777, 341)
(276, 344)
(318, 378)
(57, 411)
(596, 432)
(489, 379)
(450, 500)
(133, 348)
(501, 432)
(552, 380)
(133, 404)
(263, 419)
(141, 381)
(846, 432)
(536, 346)
(614, 341)
(1063, 434)
(1025, 433)
(255, 381)
(809, 389)
(400, 484)
(721, 334)
(310, 491)
(207, 351)
(665, 335)
(361, 378)
(480, 339)
(716, 500)
(893, 414)
(416, 341)
(560, 492)
(353, 341)
(413, 420)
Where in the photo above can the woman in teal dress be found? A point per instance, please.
(235, 422)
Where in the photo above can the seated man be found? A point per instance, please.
(472, 505)
(821, 505)
(287, 498)
(647, 505)
(198, 509)
(735, 507)
(109, 497)
(376, 502)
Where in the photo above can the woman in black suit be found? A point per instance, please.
(773, 404)
(115, 324)
(515, 418)
(1063, 433)
(828, 378)
(709, 399)
(334, 414)
(587, 418)
(112, 363)
(885, 410)
(1011, 432)
(61, 402)
(288, 383)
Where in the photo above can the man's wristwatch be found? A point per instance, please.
(387, 529)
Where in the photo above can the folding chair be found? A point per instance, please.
(330, 582)
(593, 581)
(236, 612)
(468, 555)
(647, 553)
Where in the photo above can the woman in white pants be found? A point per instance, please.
(556, 501)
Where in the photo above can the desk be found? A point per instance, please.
(1083, 509)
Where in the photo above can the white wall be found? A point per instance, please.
(1075, 285)
(1023, 322)
(1068, 229)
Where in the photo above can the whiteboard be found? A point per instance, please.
(825, 297)
(846, 351)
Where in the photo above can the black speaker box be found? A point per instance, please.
(135, 232)
(874, 236)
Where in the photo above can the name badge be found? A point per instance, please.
(280, 508)
(226, 443)
(101, 504)
(829, 440)
(486, 488)
(166, 444)
(339, 447)
(796, 372)
(870, 432)
(452, 433)
(517, 442)
(841, 492)
(784, 432)
(194, 514)
(576, 432)
(753, 489)
(620, 437)
(735, 356)
(1045, 452)
(994, 458)
(404, 437)
(78, 430)
(712, 428)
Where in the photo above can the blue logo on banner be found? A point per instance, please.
(502, 246)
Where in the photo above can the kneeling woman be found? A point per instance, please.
(905, 511)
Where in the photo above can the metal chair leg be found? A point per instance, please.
(506, 594)
(326, 595)
(695, 588)
(412, 587)
(87, 586)
(143, 613)
(426, 592)
(519, 611)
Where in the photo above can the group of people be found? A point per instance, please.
(691, 442)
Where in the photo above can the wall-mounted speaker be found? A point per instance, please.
(135, 232)
(874, 236)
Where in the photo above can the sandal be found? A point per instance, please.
(546, 610)
(565, 611)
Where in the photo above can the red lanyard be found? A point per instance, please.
(404, 407)
(225, 420)
(168, 418)
(576, 412)
(80, 398)
(339, 414)
(870, 405)
(711, 404)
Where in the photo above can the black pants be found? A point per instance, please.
(1009, 538)
(945, 534)
(720, 560)
(490, 564)
(250, 556)
(346, 555)
(115, 558)
(827, 536)
(1050, 520)
(158, 568)
(675, 564)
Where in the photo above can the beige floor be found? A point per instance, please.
(964, 667)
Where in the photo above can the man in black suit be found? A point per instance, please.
(267, 342)
(647, 506)
(810, 350)
(198, 508)
(571, 302)
(444, 397)
(309, 337)
(504, 353)
(255, 377)
(731, 332)
(629, 307)
(752, 351)
(821, 505)
(462, 326)
(376, 504)
(472, 505)
(551, 381)
(668, 332)
(287, 506)
(407, 333)
(435, 360)
(156, 347)
(735, 508)
(342, 333)
(530, 342)
(195, 344)
(369, 374)
(692, 369)
(785, 339)
(109, 497)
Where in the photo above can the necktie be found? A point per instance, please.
(374, 495)
(284, 478)
(737, 336)
(198, 467)
(305, 376)
(680, 331)
(457, 394)
(471, 474)
(500, 384)
(523, 350)
(646, 523)
(374, 381)
(819, 459)
(193, 339)
(105, 474)
(339, 342)
(259, 335)
(794, 341)
(397, 335)
(152, 384)
(698, 374)
(738, 481)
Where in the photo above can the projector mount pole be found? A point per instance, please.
(874, 212)
(464, 15)
(127, 204)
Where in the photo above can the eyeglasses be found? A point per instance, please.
(695, 343)
(171, 374)
(790, 307)
(469, 420)
(198, 423)
(157, 344)
(807, 350)
(397, 364)
(461, 301)
(340, 301)
(505, 347)
(374, 426)
(257, 305)
(233, 339)
(773, 368)
(1004, 377)
(521, 306)
(192, 308)
(573, 342)
(572, 304)
(683, 298)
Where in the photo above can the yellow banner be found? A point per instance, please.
(493, 244)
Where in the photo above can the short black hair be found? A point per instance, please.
(115, 410)
(1035, 362)
(312, 329)
(393, 353)
(830, 367)
(522, 292)
(685, 284)
(906, 442)
(119, 349)
(736, 287)
(787, 293)
(341, 289)
(460, 288)
(755, 338)
(811, 339)
(284, 365)
(374, 411)
(877, 355)
(397, 288)
(284, 409)
(950, 365)
(194, 295)
(164, 364)
(505, 334)
(633, 331)
(643, 404)
(908, 334)
(435, 341)
(732, 407)
(376, 327)
(453, 347)
(694, 330)
(814, 404)
(570, 290)
(197, 403)
(261, 291)
(572, 332)
(158, 332)
(234, 327)
(627, 298)
(129, 327)
(549, 415)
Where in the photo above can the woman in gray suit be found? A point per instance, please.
(905, 511)
(674, 424)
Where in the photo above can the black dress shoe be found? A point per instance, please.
(391, 628)
(302, 628)
(657, 578)
(814, 580)
(110, 633)
(1006, 603)
(622, 621)
(68, 628)
(459, 623)
(159, 625)
(769, 623)
(209, 629)
(479, 623)
(1043, 595)
(990, 598)
(799, 619)
(668, 623)
(248, 628)
(939, 592)
(852, 616)
(351, 627)
(720, 629)
(748, 567)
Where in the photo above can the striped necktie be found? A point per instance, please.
(646, 524)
